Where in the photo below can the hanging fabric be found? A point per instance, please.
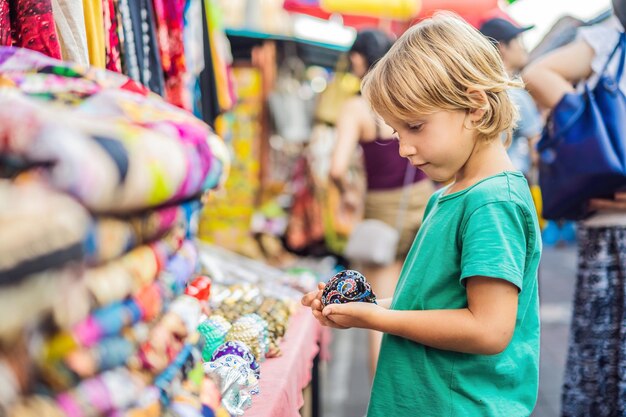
(69, 18)
(112, 45)
(5, 24)
(193, 37)
(146, 47)
(29, 24)
(94, 26)
(169, 24)
(210, 104)
(130, 61)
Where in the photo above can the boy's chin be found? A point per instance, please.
(435, 175)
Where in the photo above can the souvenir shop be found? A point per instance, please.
(127, 131)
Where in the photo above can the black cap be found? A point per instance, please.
(502, 30)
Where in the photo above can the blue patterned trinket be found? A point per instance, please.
(346, 287)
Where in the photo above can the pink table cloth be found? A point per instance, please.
(284, 378)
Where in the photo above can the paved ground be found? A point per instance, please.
(346, 382)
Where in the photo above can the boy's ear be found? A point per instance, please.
(479, 97)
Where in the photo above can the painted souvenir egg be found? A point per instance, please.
(346, 287)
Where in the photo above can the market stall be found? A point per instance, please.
(108, 306)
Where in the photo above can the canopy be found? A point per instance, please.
(367, 13)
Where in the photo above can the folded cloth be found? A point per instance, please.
(24, 303)
(120, 278)
(102, 137)
(41, 229)
(109, 164)
(180, 269)
(111, 237)
(124, 276)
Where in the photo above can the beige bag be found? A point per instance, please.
(373, 241)
(343, 86)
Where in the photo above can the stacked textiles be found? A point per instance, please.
(99, 297)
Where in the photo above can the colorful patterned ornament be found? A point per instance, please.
(346, 287)
(250, 334)
(238, 382)
(262, 326)
(238, 349)
(213, 331)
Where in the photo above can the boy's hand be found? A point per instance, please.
(354, 314)
(313, 299)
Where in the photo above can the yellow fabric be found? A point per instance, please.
(94, 24)
(535, 191)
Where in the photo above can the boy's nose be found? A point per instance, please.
(406, 151)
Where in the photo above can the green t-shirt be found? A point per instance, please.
(491, 230)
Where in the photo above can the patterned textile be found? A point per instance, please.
(130, 61)
(111, 237)
(69, 17)
(29, 24)
(169, 22)
(5, 24)
(595, 381)
(116, 147)
(41, 251)
(41, 229)
(147, 47)
(141, 49)
(111, 36)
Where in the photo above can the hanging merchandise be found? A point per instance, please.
(342, 86)
(341, 210)
(94, 26)
(209, 104)
(291, 102)
(169, 29)
(112, 45)
(390, 9)
(193, 37)
(140, 52)
(69, 18)
(305, 227)
(226, 219)
(29, 24)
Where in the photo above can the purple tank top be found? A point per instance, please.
(384, 167)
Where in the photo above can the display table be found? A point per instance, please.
(283, 379)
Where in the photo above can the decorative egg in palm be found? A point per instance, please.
(346, 287)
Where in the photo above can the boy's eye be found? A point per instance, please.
(416, 127)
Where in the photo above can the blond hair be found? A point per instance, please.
(431, 68)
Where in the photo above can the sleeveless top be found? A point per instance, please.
(384, 167)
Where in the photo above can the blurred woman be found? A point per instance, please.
(385, 170)
(594, 376)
